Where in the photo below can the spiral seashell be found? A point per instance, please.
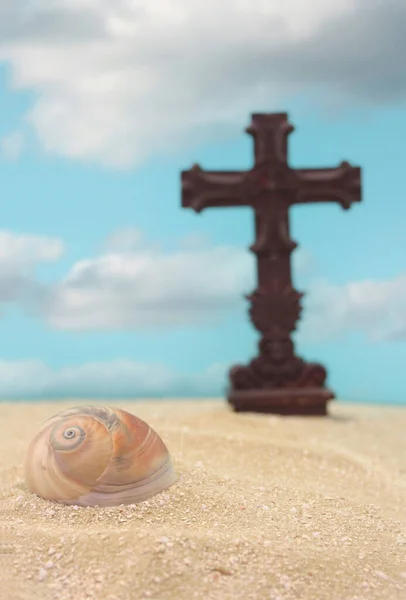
(97, 456)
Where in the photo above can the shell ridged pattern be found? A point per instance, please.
(97, 456)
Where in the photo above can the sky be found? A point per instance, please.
(108, 288)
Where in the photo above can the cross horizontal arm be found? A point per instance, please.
(209, 189)
(342, 185)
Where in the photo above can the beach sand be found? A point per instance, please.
(265, 508)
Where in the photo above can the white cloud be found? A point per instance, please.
(151, 288)
(115, 82)
(137, 285)
(19, 255)
(132, 284)
(33, 378)
(143, 286)
(12, 145)
(375, 308)
(27, 249)
(199, 283)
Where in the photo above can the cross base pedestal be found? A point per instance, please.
(311, 401)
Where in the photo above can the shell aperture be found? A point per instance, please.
(91, 455)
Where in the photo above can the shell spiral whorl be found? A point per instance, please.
(97, 456)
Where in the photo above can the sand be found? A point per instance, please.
(266, 508)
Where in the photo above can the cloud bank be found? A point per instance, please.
(133, 285)
(20, 254)
(120, 378)
(375, 308)
(116, 82)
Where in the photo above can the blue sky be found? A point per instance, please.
(100, 109)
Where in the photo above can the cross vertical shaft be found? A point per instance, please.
(276, 380)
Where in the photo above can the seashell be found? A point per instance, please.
(97, 456)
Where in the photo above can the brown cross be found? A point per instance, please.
(270, 188)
